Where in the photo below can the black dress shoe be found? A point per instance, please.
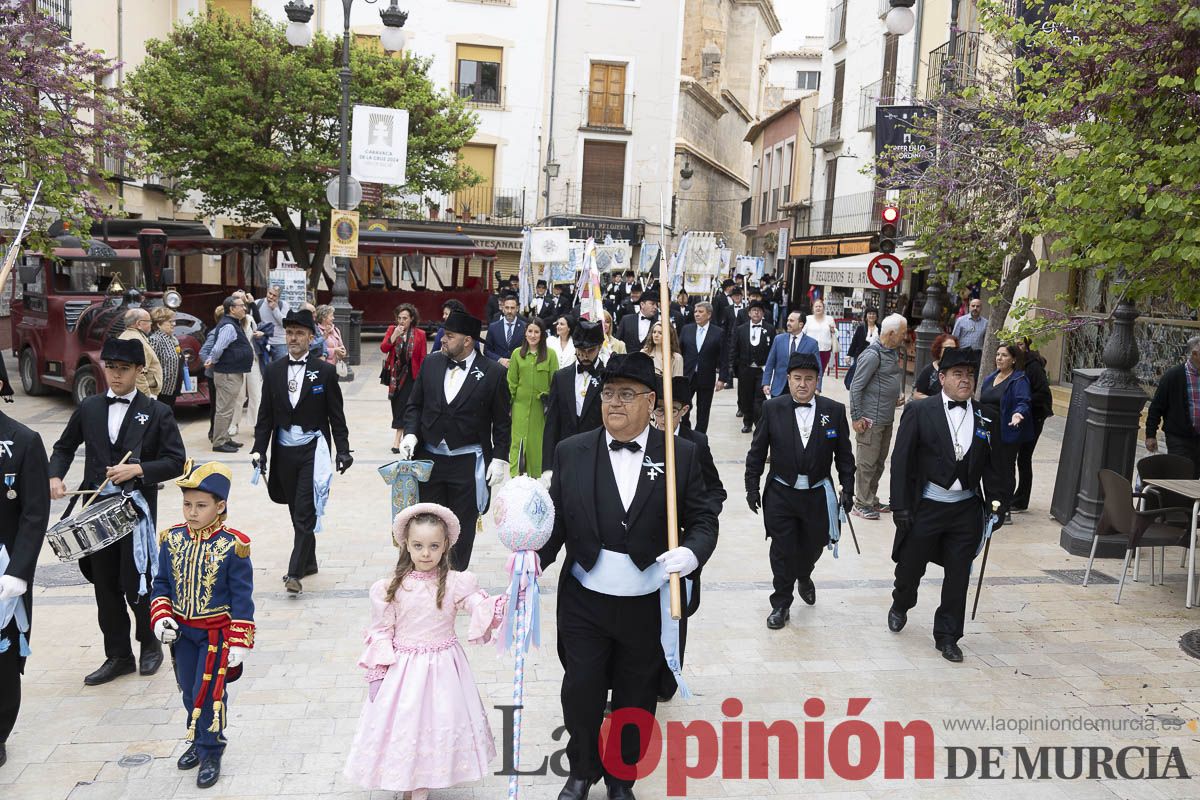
(808, 592)
(739, 413)
(620, 792)
(745, 429)
(110, 669)
(210, 770)
(575, 789)
(151, 660)
(225, 448)
(777, 618)
(950, 652)
(189, 760)
(896, 619)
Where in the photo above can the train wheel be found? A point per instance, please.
(31, 382)
(85, 384)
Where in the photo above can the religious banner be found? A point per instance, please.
(379, 145)
(549, 245)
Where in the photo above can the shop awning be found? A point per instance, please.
(851, 271)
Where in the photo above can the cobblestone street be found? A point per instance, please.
(1042, 648)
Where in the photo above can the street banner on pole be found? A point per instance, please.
(343, 234)
(379, 145)
(897, 133)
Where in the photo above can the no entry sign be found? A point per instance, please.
(885, 271)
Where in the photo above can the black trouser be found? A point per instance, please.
(295, 465)
(703, 396)
(605, 641)
(946, 534)
(1025, 468)
(749, 394)
(797, 523)
(11, 667)
(452, 484)
(104, 567)
(1186, 446)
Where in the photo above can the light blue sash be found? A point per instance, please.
(616, 574)
(295, 436)
(481, 487)
(834, 509)
(10, 608)
(939, 495)
(145, 538)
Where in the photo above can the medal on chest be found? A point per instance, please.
(10, 480)
(294, 380)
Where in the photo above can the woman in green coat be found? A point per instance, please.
(530, 370)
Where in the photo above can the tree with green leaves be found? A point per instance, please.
(234, 112)
(58, 115)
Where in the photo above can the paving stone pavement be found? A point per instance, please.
(1043, 649)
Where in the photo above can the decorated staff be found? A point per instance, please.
(203, 607)
(24, 514)
(524, 518)
(941, 474)
(611, 514)
(806, 436)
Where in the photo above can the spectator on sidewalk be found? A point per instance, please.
(875, 394)
(138, 327)
(1043, 409)
(971, 329)
(170, 354)
(272, 309)
(1176, 405)
(229, 362)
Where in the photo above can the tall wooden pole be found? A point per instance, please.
(664, 318)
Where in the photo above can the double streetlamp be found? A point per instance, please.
(299, 34)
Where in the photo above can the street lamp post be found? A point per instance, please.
(300, 35)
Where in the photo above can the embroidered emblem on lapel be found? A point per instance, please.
(141, 418)
(6, 447)
(824, 420)
(477, 374)
(653, 468)
(312, 376)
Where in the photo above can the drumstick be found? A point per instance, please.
(107, 481)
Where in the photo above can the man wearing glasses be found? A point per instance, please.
(614, 625)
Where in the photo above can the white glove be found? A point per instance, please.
(546, 478)
(165, 630)
(408, 446)
(237, 655)
(11, 586)
(497, 472)
(681, 560)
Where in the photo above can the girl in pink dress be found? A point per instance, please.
(424, 725)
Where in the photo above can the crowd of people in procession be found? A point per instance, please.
(575, 403)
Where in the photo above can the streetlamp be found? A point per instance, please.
(300, 35)
(900, 18)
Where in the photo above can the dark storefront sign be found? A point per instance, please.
(829, 248)
(596, 228)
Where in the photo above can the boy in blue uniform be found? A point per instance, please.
(202, 604)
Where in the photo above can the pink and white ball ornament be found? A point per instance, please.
(523, 514)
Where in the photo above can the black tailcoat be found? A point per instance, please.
(479, 413)
(561, 420)
(24, 518)
(828, 444)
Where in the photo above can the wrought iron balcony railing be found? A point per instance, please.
(945, 73)
(828, 124)
(59, 11)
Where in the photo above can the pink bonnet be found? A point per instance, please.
(400, 524)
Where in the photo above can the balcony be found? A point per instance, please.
(852, 213)
(156, 180)
(610, 112)
(112, 167)
(483, 205)
(479, 94)
(878, 94)
(836, 30)
(607, 200)
(59, 12)
(827, 124)
(944, 73)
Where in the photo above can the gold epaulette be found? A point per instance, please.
(162, 535)
(241, 544)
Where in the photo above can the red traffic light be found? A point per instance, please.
(891, 214)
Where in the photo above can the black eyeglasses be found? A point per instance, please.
(626, 396)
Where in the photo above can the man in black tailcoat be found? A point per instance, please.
(751, 346)
(807, 436)
(110, 425)
(611, 515)
(24, 516)
(459, 417)
(573, 405)
(942, 474)
(300, 418)
(634, 328)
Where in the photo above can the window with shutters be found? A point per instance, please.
(603, 182)
(238, 9)
(807, 79)
(606, 96)
(478, 73)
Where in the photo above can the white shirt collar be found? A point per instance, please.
(641, 438)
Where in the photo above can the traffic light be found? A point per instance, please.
(887, 229)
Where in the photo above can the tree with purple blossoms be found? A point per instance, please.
(57, 118)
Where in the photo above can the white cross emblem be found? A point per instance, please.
(824, 419)
(653, 469)
(477, 374)
(141, 418)
(312, 376)
(6, 447)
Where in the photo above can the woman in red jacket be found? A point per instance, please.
(405, 346)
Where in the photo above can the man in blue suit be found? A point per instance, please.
(705, 360)
(506, 333)
(794, 341)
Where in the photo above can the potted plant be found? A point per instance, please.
(433, 206)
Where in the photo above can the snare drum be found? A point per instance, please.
(96, 527)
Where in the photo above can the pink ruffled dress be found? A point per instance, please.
(427, 727)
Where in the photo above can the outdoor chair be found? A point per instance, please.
(1138, 528)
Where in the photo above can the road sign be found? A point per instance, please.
(354, 192)
(885, 271)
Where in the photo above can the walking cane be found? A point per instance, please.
(987, 546)
(853, 535)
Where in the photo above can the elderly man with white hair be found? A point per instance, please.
(137, 327)
(875, 394)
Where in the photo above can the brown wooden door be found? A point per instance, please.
(606, 96)
(603, 178)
